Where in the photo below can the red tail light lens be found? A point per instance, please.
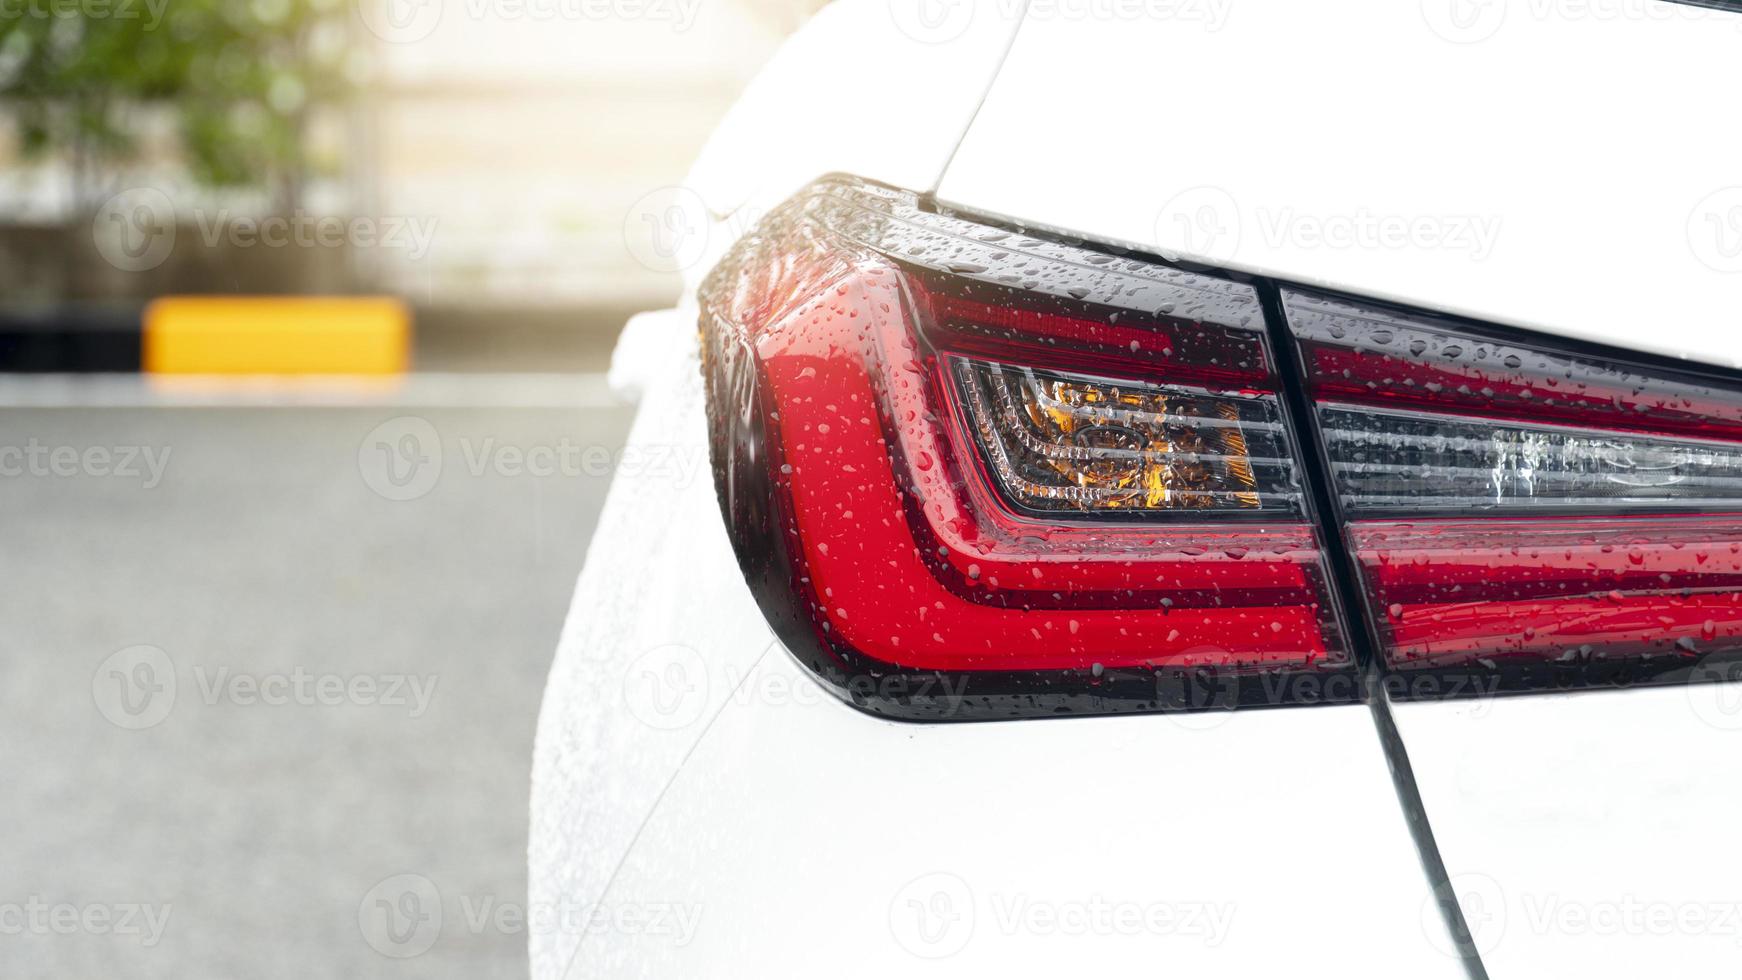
(971, 473)
(1536, 516)
(975, 473)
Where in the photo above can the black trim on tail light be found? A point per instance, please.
(974, 472)
(1149, 551)
(1633, 579)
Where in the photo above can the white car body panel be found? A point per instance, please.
(1265, 843)
(1571, 824)
(863, 89)
(1588, 835)
(795, 830)
(684, 762)
(660, 589)
(1574, 167)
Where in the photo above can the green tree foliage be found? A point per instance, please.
(240, 77)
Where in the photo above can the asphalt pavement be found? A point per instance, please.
(255, 661)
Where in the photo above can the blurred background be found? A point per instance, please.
(482, 159)
(294, 297)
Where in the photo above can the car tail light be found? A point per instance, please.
(974, 473)
(1529, 514)
(1067, 444)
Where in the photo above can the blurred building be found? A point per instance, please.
(532, 129)
(502, 146)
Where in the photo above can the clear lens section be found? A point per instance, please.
(1389, 460)
(1068, 443)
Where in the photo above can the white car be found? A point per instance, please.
(1199, 488)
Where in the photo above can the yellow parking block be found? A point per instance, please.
(277, 335)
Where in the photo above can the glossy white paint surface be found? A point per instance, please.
(1586, 833)
(1575, 167)
(687, 771)
(813, 840)
(659, 615)
(1590, 835)
(879, 89)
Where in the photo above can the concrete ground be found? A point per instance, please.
(239, 694)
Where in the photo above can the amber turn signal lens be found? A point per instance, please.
(1062, 442)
